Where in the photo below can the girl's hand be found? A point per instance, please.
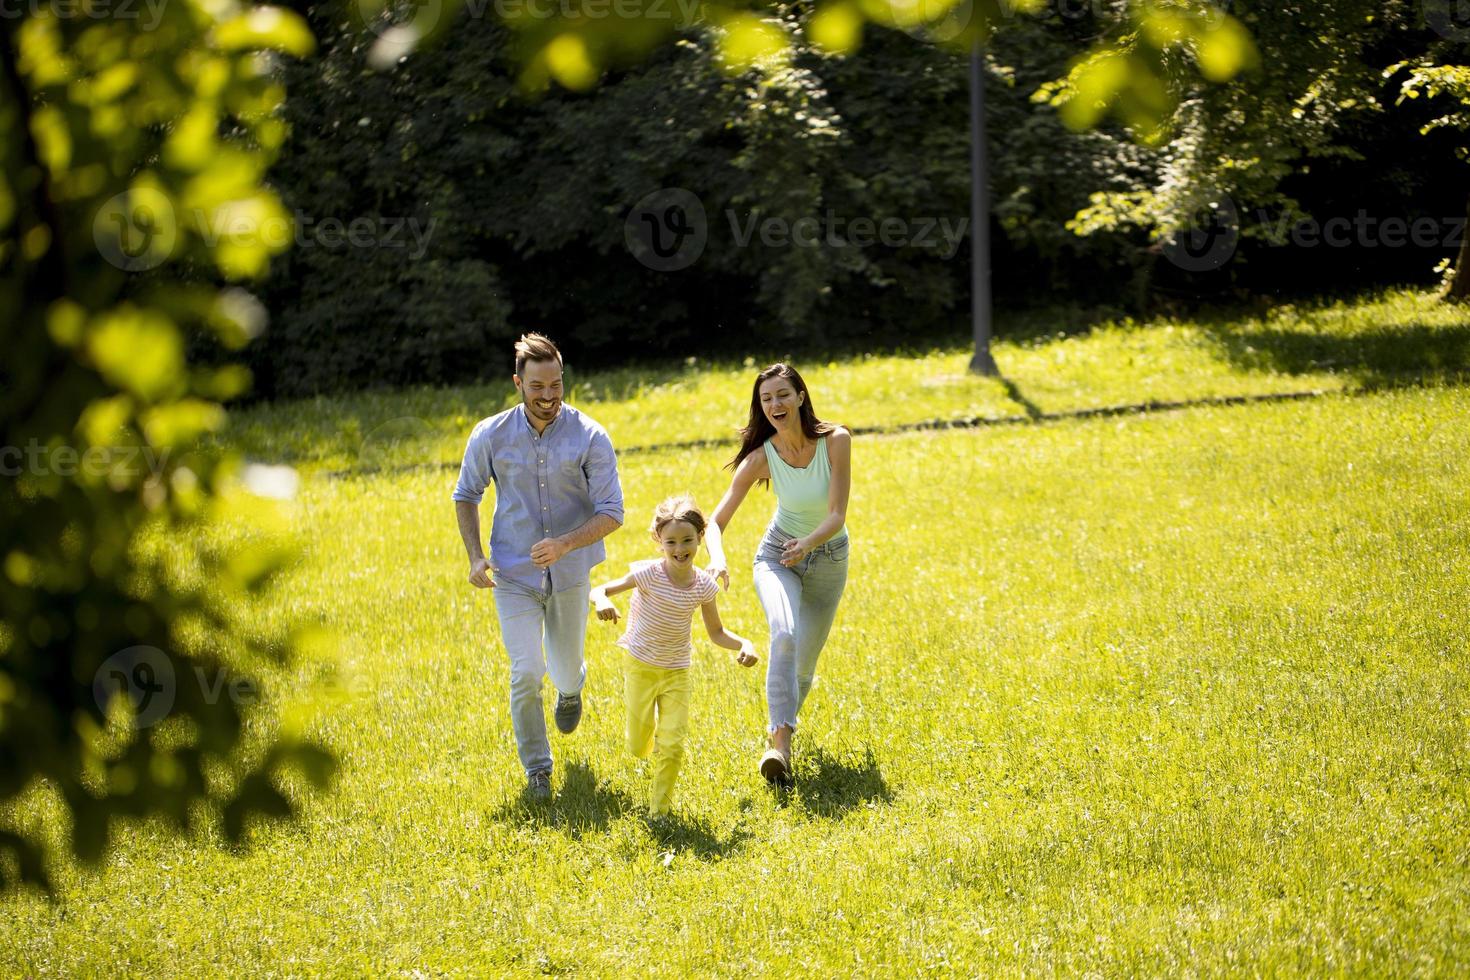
(794, 551)
(605, 609)
(746, 657)
(716, 570)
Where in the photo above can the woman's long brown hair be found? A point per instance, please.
(759, 428)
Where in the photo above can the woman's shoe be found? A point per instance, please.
(776, 768)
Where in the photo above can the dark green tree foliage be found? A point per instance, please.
(1303, 134)
(1440, 77)
(125, 149)
(446, 142)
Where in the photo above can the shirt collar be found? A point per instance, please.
(526, 420)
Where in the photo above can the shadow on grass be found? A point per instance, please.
(830, 786)
(1015, 394)
(1376, 358)
(681, 833)
(581, 805)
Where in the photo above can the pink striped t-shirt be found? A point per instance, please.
(662, 613)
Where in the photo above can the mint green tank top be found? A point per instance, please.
(801, 494)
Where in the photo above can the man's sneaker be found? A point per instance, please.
(538, 786)
(568, 712)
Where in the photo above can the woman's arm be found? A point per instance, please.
(723, 637)
(839, 453)
(751, 468)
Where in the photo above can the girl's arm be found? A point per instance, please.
(601, 602)
(839, 451)
(751, 468)
(724, 638)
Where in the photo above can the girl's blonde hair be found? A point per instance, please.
(680, 507)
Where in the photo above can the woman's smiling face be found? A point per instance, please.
(781, 402)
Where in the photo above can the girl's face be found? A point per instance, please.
(679, 542)
(781, 402)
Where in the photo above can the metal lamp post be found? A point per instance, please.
(980, 306)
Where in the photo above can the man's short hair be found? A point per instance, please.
(535, 347)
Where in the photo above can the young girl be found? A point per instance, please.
(656, 670)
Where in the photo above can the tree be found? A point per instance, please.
(1438, 81)
(1133, 74)
(133, 152)
(1234, 148)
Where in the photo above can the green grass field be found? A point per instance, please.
(1182, 692)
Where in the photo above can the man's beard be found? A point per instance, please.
(546, 415)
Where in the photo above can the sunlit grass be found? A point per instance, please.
(1052, 367)
(1164, 694)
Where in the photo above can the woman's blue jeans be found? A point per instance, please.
(800, 604)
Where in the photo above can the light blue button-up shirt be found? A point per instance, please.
(545, 485)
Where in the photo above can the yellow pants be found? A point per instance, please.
(658, 717)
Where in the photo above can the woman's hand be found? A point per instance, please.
(794, 551)
(746, 657)
(717, 571)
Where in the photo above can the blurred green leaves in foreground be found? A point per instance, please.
(1132, 74)
(133, 203)
(135, 155)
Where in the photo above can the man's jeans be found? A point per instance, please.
(800, 604)
(543, 633)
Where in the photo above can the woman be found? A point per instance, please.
(801, 563)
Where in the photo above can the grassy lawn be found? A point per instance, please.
(1183, 692)
(1051, 367)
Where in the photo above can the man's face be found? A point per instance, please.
(540, 388)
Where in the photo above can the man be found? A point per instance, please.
(557, 496)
